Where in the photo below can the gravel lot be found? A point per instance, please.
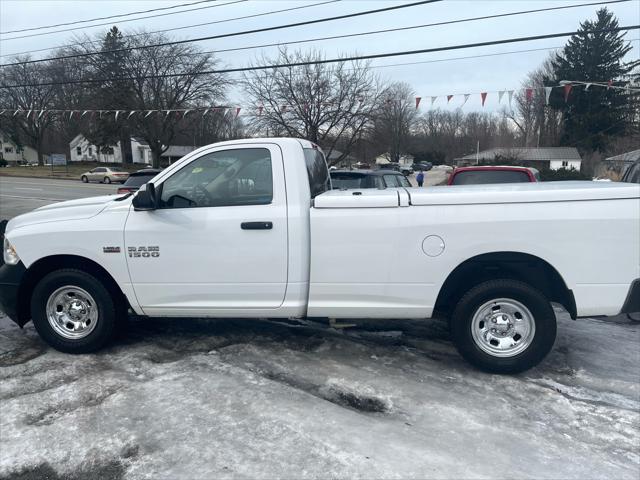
(261, 399)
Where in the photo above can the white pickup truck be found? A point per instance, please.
(250, 228)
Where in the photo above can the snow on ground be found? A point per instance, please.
(261, 399)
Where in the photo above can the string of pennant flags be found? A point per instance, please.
(235, 111)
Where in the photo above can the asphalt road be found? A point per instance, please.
(19, 195)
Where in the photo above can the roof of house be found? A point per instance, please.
(139, 140)
(178, 150)
(540, 154)
(626, 157)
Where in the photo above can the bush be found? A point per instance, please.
(548, 175)
(3, 162)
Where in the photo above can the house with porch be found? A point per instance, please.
(14, 153)
(81, 150)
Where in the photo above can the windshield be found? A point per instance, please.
(476, 177)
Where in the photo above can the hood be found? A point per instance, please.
(61, 211)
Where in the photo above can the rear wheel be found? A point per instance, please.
(107, 180)
(73, 312)
(503, 326)
(84, 179)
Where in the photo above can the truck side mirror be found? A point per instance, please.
(145, 199)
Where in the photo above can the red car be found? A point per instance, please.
(492, 174)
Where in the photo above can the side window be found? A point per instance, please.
(317, 171)
(391, 181)
(224, 178)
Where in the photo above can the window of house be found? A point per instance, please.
(225, 178)
(565, 163)
(79, 150)
(108, 150)
(90, 151)
(8, 149)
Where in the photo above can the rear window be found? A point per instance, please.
(317, 171)
(138, 179)
(346, 180)
(476, 177)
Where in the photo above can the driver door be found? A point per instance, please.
(217, 244)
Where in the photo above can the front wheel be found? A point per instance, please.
(503, 326)
(84, 179)
(73, 312)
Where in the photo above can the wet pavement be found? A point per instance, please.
(189, 398)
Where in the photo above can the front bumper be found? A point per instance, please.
(632, 303)
(10, 278)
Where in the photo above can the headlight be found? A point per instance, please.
(9, 253)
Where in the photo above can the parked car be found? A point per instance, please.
(492, 174)
(249, 229)
(424, 166)
(137, 179)
(343, 179)
(396, 167)
(632, 173)
(105, 175)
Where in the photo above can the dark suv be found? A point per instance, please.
(344, 179)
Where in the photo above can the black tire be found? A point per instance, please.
(107, 180)
(543, 316)
(84, 179)
(107, 318)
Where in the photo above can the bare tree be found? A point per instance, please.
(395, 119)
(538, 123)
(164, 78)
(30, 126)
(329, 104)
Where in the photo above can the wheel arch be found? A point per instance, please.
(46, 265)
(525, 267)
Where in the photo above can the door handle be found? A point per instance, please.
(256, 225)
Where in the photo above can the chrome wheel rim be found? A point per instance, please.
(503, 327)
(72, 312)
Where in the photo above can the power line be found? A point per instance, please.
(333, 60)
(189, 26)
(321, 38)
(468, 57)
(398, 29)
(106, 18)
(124, 21)
(233, 34)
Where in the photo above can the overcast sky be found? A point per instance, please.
(445, 74)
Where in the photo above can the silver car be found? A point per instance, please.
(105, 175)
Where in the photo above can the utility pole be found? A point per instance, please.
(478, 153)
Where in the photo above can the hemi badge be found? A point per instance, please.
(110, 249)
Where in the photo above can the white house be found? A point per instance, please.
(13, 153)
(553, 158)
(83, 151)
(142, 152)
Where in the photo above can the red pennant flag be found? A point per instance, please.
(260, 108)
(567, 90)
(483, 96)
(418, 101)
(529, 94)
(449, 97)
(238, 111)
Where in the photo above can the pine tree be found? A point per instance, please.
(592, 117)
